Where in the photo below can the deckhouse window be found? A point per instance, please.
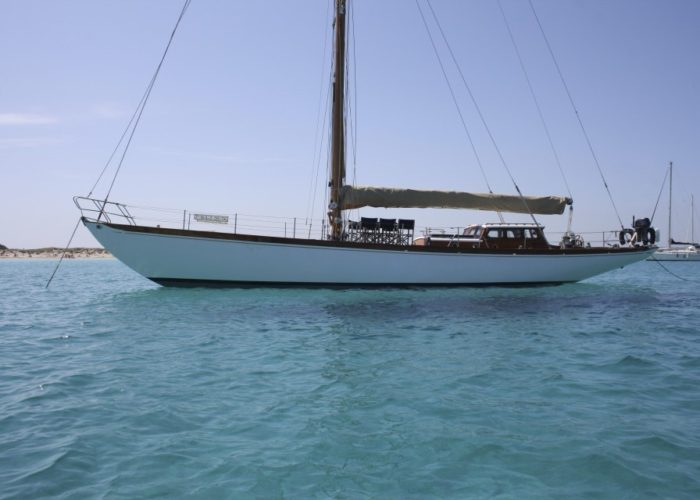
(514, 234)
(472, 231)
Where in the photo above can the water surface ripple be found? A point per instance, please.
(112, 387)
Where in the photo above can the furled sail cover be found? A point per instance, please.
(365, 196)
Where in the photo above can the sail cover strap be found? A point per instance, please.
(365, 196)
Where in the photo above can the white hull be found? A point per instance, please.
(676, 255)
(182, 259)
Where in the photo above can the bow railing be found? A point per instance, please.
(95, 210)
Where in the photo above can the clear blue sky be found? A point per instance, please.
(231, 123)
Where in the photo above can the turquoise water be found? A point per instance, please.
(113, 387)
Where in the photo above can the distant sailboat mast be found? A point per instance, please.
(670, 201)
(338, 123)
(692, 219)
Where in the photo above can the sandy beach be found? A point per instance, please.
(54, 253)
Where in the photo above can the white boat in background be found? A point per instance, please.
(368, 252)
(677, 251)
(684, 254)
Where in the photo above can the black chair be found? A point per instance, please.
(406, 227)
(388, 227)
(407, 224)
(369, 223)
(370, 229)
(387, 224)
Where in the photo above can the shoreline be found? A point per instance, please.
(55, 253)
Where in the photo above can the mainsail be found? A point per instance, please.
(366, 196)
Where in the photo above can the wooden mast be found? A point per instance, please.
(338, 123)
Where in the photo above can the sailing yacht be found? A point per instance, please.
(678, 251)
(370, 252)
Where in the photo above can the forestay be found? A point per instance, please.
(366, 196)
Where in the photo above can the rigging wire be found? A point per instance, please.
(323, 141)
(535, 100)
(326, 195)
(133, 123)
(143, 103)
(578, 116)
(670, 272)
(476, 105)
(318, 134)
(347, 107)
(92, 189)
(63, 254)
(354, 120)
(658, 198)
(352, 101)
(454, 98)
(116, 148)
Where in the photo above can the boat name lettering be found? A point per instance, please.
(212, 219)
